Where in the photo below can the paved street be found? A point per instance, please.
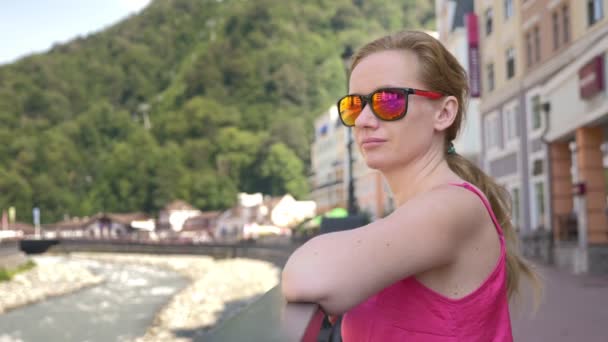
(574, 308)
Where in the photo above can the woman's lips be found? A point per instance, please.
(372, 142)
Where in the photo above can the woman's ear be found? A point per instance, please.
(446, 114)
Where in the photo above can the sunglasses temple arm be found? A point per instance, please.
(429, 94)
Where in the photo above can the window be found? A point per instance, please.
(539, 198)
(491, 132)
(536, 44)
(508, 8)
(536, 117)
(595, 12)
(537, 167)
(529, 49)
(490, 73)
(510, 63)
(555, 22)
(510, 117)
(566, 23)
(488, 21)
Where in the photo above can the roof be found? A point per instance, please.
(126, 218)
(24, 227)
(80, 223)
(203, 221)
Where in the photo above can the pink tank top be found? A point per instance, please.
(410, 311)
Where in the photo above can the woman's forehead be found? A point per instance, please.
(397, 68)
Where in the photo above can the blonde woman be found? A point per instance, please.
(442, 266)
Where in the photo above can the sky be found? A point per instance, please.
(33, 26)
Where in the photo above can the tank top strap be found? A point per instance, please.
(485, 202)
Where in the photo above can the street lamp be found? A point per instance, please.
(352, 203)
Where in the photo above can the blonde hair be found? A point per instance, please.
(440, 71)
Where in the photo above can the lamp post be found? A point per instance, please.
(352, 203)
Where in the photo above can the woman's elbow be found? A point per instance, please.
(298, 288)
(288, 287)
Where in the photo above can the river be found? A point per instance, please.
(119, 309)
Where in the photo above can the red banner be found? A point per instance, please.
(473, 47)
(591, 77)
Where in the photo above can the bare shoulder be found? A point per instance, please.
(460, 212)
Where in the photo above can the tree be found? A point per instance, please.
(16, 192)
(284, 171)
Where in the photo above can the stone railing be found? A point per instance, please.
(271, 319)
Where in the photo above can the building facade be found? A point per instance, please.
(373, 195)
(329, 162)
(503, 150)
(329, 171)
(452, 31)
(577, 111)
(543, 109)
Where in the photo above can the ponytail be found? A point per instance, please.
(501, 205)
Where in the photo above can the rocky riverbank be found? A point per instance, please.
(218, 289)
(46, 279)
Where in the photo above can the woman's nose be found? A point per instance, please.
(366, 118)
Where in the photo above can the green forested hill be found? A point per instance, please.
(190, 99)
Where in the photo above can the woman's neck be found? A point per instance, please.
(419, 177)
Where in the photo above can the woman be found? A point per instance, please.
(442, 266)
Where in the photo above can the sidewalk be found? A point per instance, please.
(573, 308)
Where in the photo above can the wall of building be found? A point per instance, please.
(580, 22)
(453, 35)
(328, 162)
(504, 35)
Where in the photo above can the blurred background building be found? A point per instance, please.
(543, 109)
(329, 171)
(329, 162)
(452, 19)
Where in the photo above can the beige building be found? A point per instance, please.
(329, 166)
(371, 190)
(329, 162)
(453, 33)
(577, 110)
(504, 140)
(544, 109)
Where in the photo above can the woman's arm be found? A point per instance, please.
(340, 270)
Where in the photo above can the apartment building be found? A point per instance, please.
(371, 190)
(329, 162)
(502, 106)
(571, 89)
(543, 109)
(329, 171)
(455, 21)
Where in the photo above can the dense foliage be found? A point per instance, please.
(189, 99)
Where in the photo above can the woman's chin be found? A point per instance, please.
(376, 162)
